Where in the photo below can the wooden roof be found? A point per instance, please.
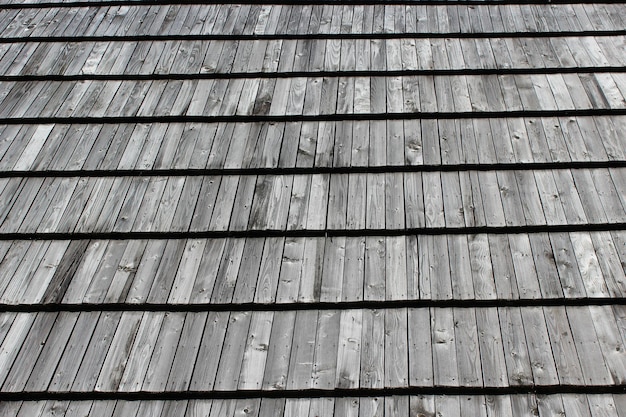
(413, 208)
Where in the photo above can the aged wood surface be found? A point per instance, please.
(333, 209)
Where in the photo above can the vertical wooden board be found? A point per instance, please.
(510, 197)
(187, 352)
(438, 264)
(608, 128)
(206, 202)
(484, 274)
(378, 143)
(125, 271)
(594, 368)
(452, 200)
(31, 408)
(515, 347)
(20, 279)
(550, 198)
(117, 355)
(248, 274)
(326, 344)
(610, 342)
(41, 366)
(588, 265)
(311, 274)
(372, 371)
(12, 343)
(88, 264)
(602, 405)
(545, 265)
(360, 143)
(226, 277)
(269, 269)
(338, 201)
(302, 351)
(299, 202)
(394, 201)
(144, 216)
(343, 147)
(620, 402)
(354, 269)
(272, 407)
(467, 348)
(433, 200)
(197, 408)
(395, 141)
(430, 142)
(396, 348)
(375, 281)
(187, 201)
(325, 149)
(208, 358)
(58, 283)
(357, 202)
(333, 269)
(566, 263)
(375, 214)
(349, 349)
(395, 268)
(610, 192)
(525, 268)
(420, 366)
(445, 364)
(450, 141)
(491, 347)
(146, 271)
(412, 267)
(362, 85)
(342, 407)
(43, 276)
(570, 198)
(563, 347)
(295, 407)
(538, 344)
(529, 195)
(290, 270)
(17, 209)
(279, 351)
(413, 200)
(255, 353)
(608, 258)
(222, 211)
(242, 203)
(413, 142)
(140, 352)
(309, 136)
(462, 261)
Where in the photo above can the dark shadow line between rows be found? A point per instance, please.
(105, 3)
(308, 306)
(313, 393)
(311, 118)
(310, 36)
(280, 171)
(429, 231)
(312, 74)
